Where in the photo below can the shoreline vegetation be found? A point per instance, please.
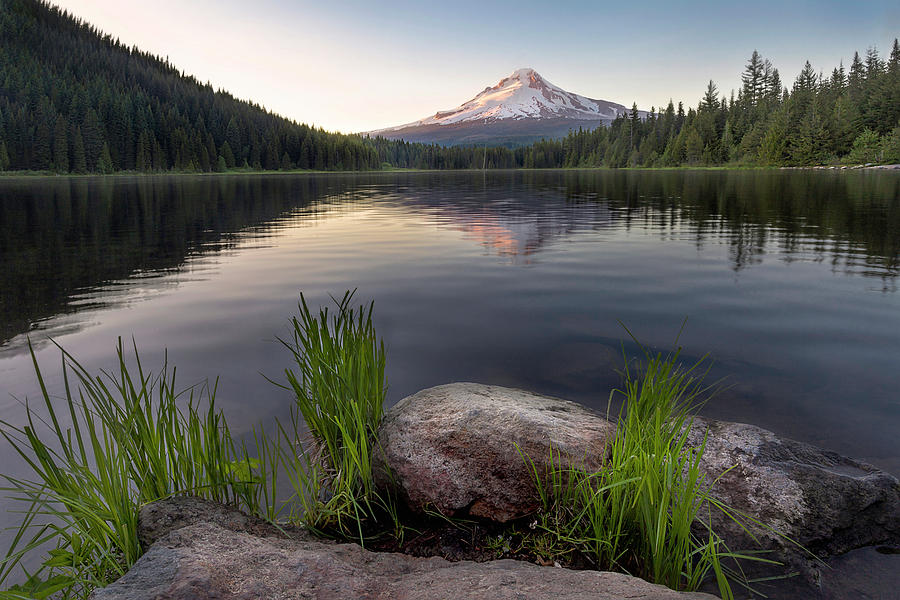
(129, 437)
(76, 100)
(254, 172)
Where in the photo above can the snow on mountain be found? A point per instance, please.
(525, 94)
(524, 97)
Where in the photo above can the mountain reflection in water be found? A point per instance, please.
(70, 244)
(519, 278)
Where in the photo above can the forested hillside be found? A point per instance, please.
(73, 100)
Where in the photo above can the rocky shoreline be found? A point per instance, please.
(201, 550)
(455, 448)
(849, 167)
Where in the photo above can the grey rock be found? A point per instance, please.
(236, 558)
(453, 447)
(456, 447)
(157, 519)
(826, 502)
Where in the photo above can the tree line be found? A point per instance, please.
(848, 116)
(74, 100)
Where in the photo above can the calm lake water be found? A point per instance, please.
(787, 279)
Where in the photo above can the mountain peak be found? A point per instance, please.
(524, 97)
(525, 74)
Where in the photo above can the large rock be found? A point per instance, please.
(456, 448)
(453, 447)
(241, 558)
(826, 502)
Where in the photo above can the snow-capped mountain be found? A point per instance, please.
(521, 108)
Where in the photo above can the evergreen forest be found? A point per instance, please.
(848, 116)
(76, 100)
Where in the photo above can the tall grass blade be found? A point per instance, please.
(129, 437)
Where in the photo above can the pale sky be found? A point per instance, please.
(355, 66)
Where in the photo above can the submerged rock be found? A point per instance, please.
(826, 502)
(238, 557)
(456, 448)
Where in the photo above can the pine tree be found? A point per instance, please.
(753, 79)
(773, 149)
(233, 136)
(254, 158)
(866, 148)
(4, 157)
(774, 87)
(748, 148)
(205, 163)
(105, 163)
(890, 147)
(79, 163)
(92, 135)
(634, 129)
(710, 101)
(668, 121)
(41, 158)
(807, 81)
(144, 152)
(271, 157)
(60, 146)
(305, 151)
(873, 64)
(693, 146)
(211, 147)
(889, 90)
(839, 79)
(856, 77)
(228, 154)
(727, 146)
(893, 65)
(843, 117)
(809, 147)
(160, 158)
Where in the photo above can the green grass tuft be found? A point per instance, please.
(636, 514)
(118, 441)
(340, 389)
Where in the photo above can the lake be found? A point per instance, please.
(786, 279)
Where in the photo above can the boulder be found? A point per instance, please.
(825, 502)
(236, 557)
(456, 448)
(453, 447)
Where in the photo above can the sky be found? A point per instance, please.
(356, 66)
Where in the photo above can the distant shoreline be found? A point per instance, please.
(237, 172)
